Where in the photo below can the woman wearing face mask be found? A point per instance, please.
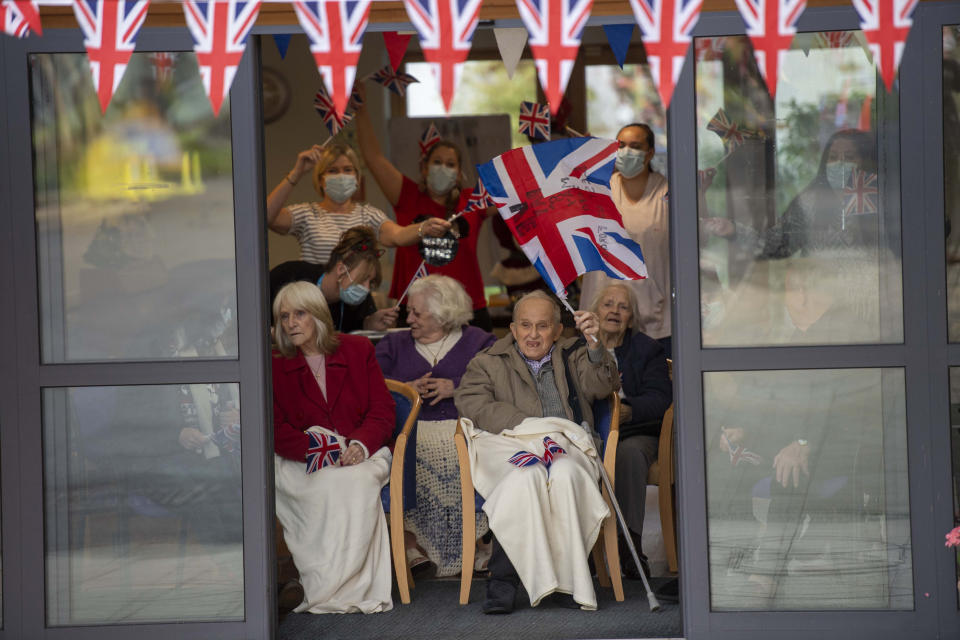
(437, 196)
(641, 197)
(319, 225)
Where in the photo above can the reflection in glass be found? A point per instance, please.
(142, 502)
(799, 211)
(951, 172)
(134, 212)
(955, 454)
(807, 490)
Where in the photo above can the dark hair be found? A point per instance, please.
(862, 140)
(453, 198)
(357, 244)
(651, 139)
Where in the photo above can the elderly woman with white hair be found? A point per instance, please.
(432, 357)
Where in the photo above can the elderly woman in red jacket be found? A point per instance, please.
(333, 418)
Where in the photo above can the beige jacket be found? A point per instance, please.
(497, 391)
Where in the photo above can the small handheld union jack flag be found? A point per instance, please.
(738, 453)
(535, 120)
(429, 138)
(885, 25)
(109, 34)
(551, 450)
(524, 459)
(324, 107)
(771, 27)
(396, 81)
(219, 30)
(666, 26)
(163, 62)
(860, 194)
(478, 200)
(421, 272)
(732, 134)
(322, 451)
(20, 18)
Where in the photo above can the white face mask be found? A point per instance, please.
(340, 187)
(839, 172)
(441, 178)
(630, 162)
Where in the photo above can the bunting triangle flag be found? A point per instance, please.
(771, 25)
(555, 27)
(335, 29)
(619, 35)
(282, 40)
(396, 44)
(446, 32)
(219, 29)
(20, 18)
(885, 25)
(110, 31)
(511, 42)
(666, 27)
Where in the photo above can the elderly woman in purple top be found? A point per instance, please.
(431, 358)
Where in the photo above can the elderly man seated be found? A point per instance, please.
(538, 478)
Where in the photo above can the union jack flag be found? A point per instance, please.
(555, 198)
(396, 81)
(551, 450)
(739, 454)
(770, 25)
(421, 272)
(446, 29)
(219, 29)
(834, 39)
(109, 35)
(666, 27)
(885, 25)
(20, 17)
(429, 138)
(335, 29)
(478, 200)
(535, 120)
(524, 459)
(322, 451)
(732, 134)
(705, 49)
(555, 27)
(860, 194)
(163, 65)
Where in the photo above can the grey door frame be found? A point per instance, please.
(23, 376)
(935, 611)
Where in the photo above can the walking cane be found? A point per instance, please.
(651, 599)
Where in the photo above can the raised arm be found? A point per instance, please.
(278, 216)
(386, 175)
(394, 235)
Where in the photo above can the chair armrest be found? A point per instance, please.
(463, 460)
(665, 448)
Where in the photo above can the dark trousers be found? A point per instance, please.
(501, 570)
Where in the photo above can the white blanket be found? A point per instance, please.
(334, 526)
(547, 521)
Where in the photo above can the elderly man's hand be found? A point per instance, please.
(588, 324)
(191, 438)
(791, 460)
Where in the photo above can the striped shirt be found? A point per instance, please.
(319, 231)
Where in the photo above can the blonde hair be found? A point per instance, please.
(631, 300)
(305, 296)
(331, 153)
(446, 299)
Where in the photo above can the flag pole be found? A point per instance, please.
(410, 284)
(570, 309)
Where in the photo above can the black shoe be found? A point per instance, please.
(627, 566)
(670, 591)
(500, 597)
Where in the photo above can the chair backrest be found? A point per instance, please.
(606, 416)
(408, 410)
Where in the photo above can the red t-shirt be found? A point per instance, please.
(463, 268)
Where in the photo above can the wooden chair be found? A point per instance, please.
(607, 419)
(400, 494)
(662, 474)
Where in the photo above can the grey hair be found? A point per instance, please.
(538, 294)
(305, 296)
(446, 300)
(631, 300)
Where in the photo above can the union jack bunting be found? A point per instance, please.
(163, 65)
(219, 29)
(555, 198)
(524, 459)
(446, 30)
(335, 29)
(478, 200)
(770, 25)
(860, 194)
(555, 27)
(551, 450)
(322, 451)
(429, 138)
(885, 25)
(535, 120)
(20, 18)
(396, 81)
(666, 26)
(109, 34)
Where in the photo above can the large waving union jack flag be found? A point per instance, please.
(446, 30)
(771, 27)
(555, 198)
(666, 26)
(109, 34)
(555, 27)
(335, 29)
(219, 29)
(323, 450)
(885, 25)
(20, 18)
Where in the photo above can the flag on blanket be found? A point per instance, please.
(551, 450)
(322, 451)
(555, 198)
(524, 459)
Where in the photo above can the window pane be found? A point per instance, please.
(799, 212)
(134, 213)
(955, 452)
(837, 535)
(142, 503)
(951, 172)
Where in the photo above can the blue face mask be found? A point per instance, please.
(354, 294)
